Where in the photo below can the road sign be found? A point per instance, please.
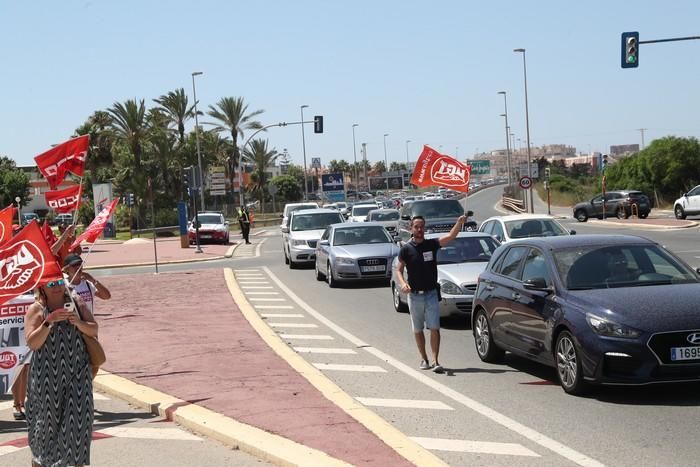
(217, 192)
(480, 167)
(217, 186)
(525, 182)
(315, 162)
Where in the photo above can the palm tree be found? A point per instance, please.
(230, 112)
(263, 158)
(101, 140)
(129, 125)
(175, 106)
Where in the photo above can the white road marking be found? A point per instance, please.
(262, 293)
(96, 396)
(8, 450)
(404, 403)
(249, 276)
(292, 325)
(310, 337)
(281, 315)
(150, 433)
(343, 367)
(507, 422)
(482, 447)
(258, 248)
(246, 269)
(274, 307)
(324, 350)
(6, 405)
(253, 282)
(266, 299)
(250, 287)
(99, 397)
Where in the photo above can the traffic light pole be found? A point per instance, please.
(196, 225)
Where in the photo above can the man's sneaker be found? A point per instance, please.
(424, 365)
(437, 368)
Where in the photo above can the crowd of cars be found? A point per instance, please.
(606, 309)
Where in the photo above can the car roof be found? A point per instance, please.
(571, 241)
(356, 225)
(383, 210)
(314, 211)
(520, 217)
(460, 235)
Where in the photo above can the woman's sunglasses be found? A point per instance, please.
(52, 284)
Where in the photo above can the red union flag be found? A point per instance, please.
(26, 262)
(66, 157)
(65, 200)
(434, 168)
(96, 226)
(6, 217)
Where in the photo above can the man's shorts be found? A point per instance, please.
(425, 310)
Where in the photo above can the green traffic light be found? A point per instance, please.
(631, 59)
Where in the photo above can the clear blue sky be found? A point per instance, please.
(421, 71)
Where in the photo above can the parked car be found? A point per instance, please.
(27, 217)
(440, 215)
(617, 204)
(507, 228)
(305, 229)
(609, 309)
(63, 219)
(360, 210)
(212, 227)
(459, 265)
(389, 218)
(354, 251)
(688, 204)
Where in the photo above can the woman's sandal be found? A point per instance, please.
(19, 413)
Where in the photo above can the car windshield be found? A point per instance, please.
(534, 228)
(600, 267)
(363, 210)
(315, 221)
(384, 216)
(437, 208)
(210, 219)
(361, 235)
(467, 250)
(291, 209)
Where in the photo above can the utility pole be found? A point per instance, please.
(642, 130)
(364, 165)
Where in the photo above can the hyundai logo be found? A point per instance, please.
(376, 261)
(694, 338)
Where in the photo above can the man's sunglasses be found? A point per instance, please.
(52, 284)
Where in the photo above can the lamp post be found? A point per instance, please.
(354, 154)
(508, 155)
(364, 165)
(386, 163)
(18, 200)
(408, 162)
(303, 146)
(196, 135)
(527, 126)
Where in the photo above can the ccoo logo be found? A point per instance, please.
(448, 173)
(21, 267)
(7, 360)
(694, 338)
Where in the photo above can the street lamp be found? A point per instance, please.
(354, 153)
(303, 145)
(508, 156)
(527, 126)
(408, 163)
(386, 163)
(196, 135)
(18, 200)
(364, 166)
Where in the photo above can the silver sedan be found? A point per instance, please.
(459, 265)
(358, 251)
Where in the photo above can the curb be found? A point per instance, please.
(639, 224)
(392, 437)
(259, 443)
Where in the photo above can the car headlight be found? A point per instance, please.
(341, 260)
(429, 231)
(607, 328)
(450, 288)
(298, 242)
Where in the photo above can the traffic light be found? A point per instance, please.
(604, 165)
(547, 172)
(630, 49)
(318, 124)
(130, 199)
(187, 176)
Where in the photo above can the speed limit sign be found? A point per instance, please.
(525, 182)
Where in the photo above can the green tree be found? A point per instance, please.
(14, 183)
(98, 126)
(397, 166)
(176, 106)
(379, 168)
(288, 188)
(263, 158)
(130, 126)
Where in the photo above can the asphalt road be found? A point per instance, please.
(475, 413)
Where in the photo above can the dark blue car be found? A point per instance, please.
(609, 309)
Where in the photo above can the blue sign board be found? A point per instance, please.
(332, 182)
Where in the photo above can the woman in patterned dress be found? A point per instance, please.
(59, 405)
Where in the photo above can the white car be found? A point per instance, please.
(305, 229)
(289, 208)
(359, 211)
(507, 228)
(688, 204)
(213, 227)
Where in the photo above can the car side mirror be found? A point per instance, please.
(405, 218)
(284, 229)
(697, 270)
(498, 238)
(572, 232)
(537, 283)
(324, 243)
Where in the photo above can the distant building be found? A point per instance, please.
(624, 149)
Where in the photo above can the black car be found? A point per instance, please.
(440, 215)
(621, 204)
(610, 309)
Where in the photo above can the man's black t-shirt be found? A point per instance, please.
(421, 263)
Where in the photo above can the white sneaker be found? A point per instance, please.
(437, 368)
(424, 365)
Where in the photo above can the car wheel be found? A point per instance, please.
(319, 276)
(644, 216)
(486, 348)
(581, 215)
(332, 283)
(292, 264)
(286, 258)
(621, 213)
(568, 362)
(679, 212)
(399, 306)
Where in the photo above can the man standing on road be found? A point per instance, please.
(244, 221)
(418, 256)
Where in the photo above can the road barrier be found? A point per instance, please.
(513, 204)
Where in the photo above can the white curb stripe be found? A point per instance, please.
(323, 350)
(341, 367)
(482, 447)
(404, 403)
(150, 433)
(292, 325)
(311, 337)
(281, 315)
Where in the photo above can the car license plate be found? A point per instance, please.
(373, 268)
(685, 353)
(205, 236)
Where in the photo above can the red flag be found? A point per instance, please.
(26, 262)
(66, 200)
(66, 157)
(6, 218)
(434, 168)
(48, 234)
(96, 226)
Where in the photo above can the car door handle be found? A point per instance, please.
(515, 296)
(488, 286)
